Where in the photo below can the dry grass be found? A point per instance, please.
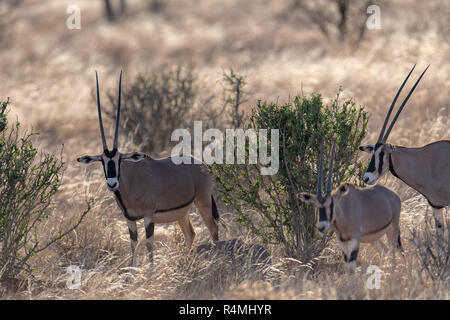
(48, 71)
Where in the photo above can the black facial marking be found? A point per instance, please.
(149, 230)
(371, 167)
(331, 209)
(353, 255)
(111, 169)
(133, 234)
(111, 153)
(380, 162)
(322, 214)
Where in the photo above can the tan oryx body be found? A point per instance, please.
(425, 169)
(156, 190)
(356, 215)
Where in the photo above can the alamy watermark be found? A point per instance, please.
(74, 19)
(234, 141)
(373, 22)
(374, 280)
(74, 281)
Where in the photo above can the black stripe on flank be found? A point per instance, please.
(133, 234)
(434, 206)
(378, 230)
(353, 255)
(149, 230)
(392, 170)
(179, 207)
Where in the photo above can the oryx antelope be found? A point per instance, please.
(356, 215)
(156, 190)
(425, 169)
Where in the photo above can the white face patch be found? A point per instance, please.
(323, 226)
(112, 184)
(370, 177)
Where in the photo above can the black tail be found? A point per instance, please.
(399, 242)
(215, 212)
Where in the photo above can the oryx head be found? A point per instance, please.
(111, 159)
(324, 203)
(379, 163)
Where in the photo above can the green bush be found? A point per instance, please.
(27, 184)
(267, 205)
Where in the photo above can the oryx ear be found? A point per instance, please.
(342, 190)
(307, 197)
(134, 156)
(89, 159)
(368, 148)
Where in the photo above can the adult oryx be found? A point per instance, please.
(156, 190)
(356, 215)
(425, 169)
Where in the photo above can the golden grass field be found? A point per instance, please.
(48, 71)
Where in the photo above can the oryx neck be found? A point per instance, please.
(403, 163)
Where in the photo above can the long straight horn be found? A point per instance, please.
(102, 132)
(330, 170)
(402, 105)
(116, 134)
(319, 171)
(392, 105)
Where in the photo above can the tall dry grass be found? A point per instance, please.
(48, 71)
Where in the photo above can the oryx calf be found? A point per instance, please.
(425, 169)
(156, 190)
(356, 215)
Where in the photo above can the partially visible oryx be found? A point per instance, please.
(156, 190)
(356, 215)
(425, 169)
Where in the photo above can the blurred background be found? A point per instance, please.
(279, 48)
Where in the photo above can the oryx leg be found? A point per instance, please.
(133, 239)
(438, 214)
(149, 231)
(393, 235)
(344, 248)
(188, 230)
(203, 203)
(354, 249)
